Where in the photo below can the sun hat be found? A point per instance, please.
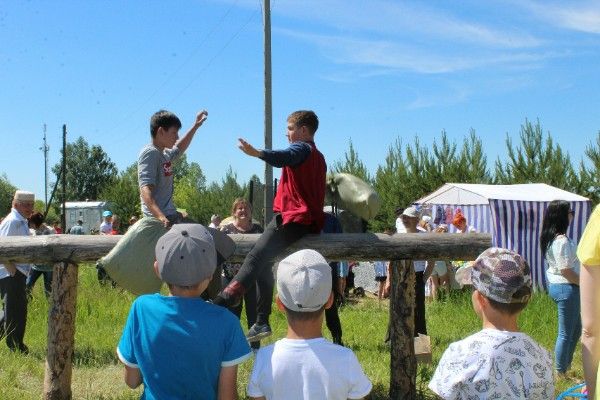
(304, 281)
(501, 275)
(411, 212)
(188, 253)
(22, 195)
(107, 213)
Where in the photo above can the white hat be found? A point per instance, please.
(22, 195)
(411, 212)
(304, 281)
(186, 255)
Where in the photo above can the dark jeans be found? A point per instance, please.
(332, 317)
(420, 324)
(14, 310)
(250, 300)
(34, 274)
(257, 266)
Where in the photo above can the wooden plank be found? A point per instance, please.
(346, 246)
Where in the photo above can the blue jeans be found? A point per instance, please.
(566, 297)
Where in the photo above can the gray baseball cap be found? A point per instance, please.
(502, 275)
(304, 281)
(188, 254)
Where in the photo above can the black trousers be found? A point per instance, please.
(257, 266)
(332, 317)
(420, 324)
(14, 310)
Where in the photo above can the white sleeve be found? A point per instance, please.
(360, 384)
(565, 254)
(253, 389)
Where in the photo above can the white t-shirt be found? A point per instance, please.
(494, 364)
(297, 369)
(561, 255)
(106, 228)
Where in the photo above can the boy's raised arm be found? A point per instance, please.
(183, 143)
(228, 383)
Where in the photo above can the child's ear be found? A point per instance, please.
(329, 301)
(280, 305)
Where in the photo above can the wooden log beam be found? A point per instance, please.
(346, 246)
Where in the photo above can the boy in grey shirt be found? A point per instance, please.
(155, 164)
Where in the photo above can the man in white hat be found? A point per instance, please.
(13, 276)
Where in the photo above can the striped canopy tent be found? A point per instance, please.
(512, 214)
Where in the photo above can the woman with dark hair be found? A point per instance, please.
(563, 278)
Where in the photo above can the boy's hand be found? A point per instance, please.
(201, 117)
(248, 148)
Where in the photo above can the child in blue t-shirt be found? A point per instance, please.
(179, 346)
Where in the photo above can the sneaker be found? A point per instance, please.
(257, 332)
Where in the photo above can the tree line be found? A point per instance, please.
(410, 171)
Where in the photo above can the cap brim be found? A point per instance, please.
(224, 245)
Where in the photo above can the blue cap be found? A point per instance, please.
(107, 214)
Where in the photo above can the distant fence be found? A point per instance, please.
(66, 251)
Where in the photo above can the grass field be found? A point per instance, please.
(101, 313)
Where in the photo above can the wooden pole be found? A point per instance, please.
(403, 364)
(61, 333)
(268, 200)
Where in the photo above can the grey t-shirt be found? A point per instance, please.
(156, 168)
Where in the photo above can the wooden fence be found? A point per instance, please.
(67, 251)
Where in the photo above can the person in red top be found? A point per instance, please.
(298, 208)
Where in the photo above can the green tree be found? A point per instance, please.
(352, 165)
(590, 176)
(536, 159)
(124, 195)
(89, 171)
(190, 191)
(7, 192)
(389, 184)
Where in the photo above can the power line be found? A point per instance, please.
(183, 64)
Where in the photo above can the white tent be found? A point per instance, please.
(513, 214)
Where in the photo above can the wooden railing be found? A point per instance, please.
(67, 251)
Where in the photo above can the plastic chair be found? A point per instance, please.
(573, 393)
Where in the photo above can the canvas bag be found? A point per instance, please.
(131, 262)
(353, 194)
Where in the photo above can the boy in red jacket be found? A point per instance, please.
(298, 208)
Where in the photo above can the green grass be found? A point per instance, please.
(101, 313)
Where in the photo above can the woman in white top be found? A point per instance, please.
(563, 278)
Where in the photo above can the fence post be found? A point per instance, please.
(61, 333)
(403, 364)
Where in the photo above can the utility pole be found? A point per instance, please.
(268, 202)
(45, 148)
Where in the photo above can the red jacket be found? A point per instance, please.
(301, 191)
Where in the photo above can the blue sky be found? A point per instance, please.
(374, 71)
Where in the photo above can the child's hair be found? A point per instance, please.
(297, 316)
(556, 222)
(163, 119)
(36, 219)
(511, 308)
(305, 118)
(172, 286)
